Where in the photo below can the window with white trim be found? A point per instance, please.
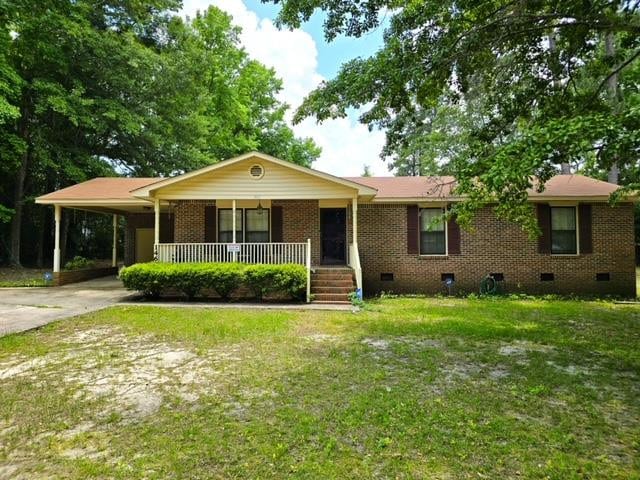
(257, 225)
(433, 235)
(564, 238)
(225, 225)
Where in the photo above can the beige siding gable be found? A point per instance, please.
(235, 182)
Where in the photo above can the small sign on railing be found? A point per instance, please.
(233, 248)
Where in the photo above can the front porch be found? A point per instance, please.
(314, 233)
(251, 209)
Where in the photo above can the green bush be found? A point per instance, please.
(189, 278)
(288, 278)
(224, 278)
(149, 278)
(79, 263)
(152, 279)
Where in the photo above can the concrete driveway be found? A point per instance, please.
(26, 308)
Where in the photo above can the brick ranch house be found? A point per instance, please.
(374, 233)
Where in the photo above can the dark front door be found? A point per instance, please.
(333, 234)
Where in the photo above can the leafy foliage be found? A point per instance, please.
(99, 89)
(192, 278)
(500, 92)
(265, 279)
(79, 263)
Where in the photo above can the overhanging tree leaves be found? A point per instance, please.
(93, 88)
(522, 108)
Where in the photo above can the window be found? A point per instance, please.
(432, 232)
(547, 277)
(563, 230)
(257, 225)
(225, 225)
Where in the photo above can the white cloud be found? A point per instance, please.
(346, 144)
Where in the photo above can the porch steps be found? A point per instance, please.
(332, 284)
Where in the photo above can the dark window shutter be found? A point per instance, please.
(210, 223)
(453, 237)
(544, 222)
(413, 223)
(584, 219)
(276, 224)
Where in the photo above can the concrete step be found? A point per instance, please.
(323, 302)
(331, 276)
(332, 289)
(331, 297)
(332, 283)
(332, 270)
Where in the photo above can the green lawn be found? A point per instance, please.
(409, 388)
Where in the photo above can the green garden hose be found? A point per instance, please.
(488, 285)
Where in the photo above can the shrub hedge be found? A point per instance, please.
(154, 278)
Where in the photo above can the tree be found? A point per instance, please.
(366, 171)
(89, 89)
(534, 107)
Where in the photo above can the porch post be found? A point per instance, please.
(308, 265)
(156, 228)
(114, 253)
(354, 219)
(233, 226)
(56, 248)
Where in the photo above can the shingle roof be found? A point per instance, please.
(575, 186)
(408, 187)
(101, 188)
(441, 186)
(392, 188)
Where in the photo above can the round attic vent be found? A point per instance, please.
(256, 171)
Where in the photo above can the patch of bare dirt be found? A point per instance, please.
(133, 374)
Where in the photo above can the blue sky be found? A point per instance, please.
(302, 58)
(330, 55)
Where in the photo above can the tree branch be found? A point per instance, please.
(616, 70)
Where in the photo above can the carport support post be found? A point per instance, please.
(56, 248)
(156, 228)
(114, 253)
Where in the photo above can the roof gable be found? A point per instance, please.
(231, 179)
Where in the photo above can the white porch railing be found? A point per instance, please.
(269, 253)
(354, 262)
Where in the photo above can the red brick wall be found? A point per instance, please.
(496, 247)
(300, 221)
(493, 247)
(189, 220)
(73, 276)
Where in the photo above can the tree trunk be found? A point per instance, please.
(565, 167)
(612, 89)
(18, 191)
(41, 223)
